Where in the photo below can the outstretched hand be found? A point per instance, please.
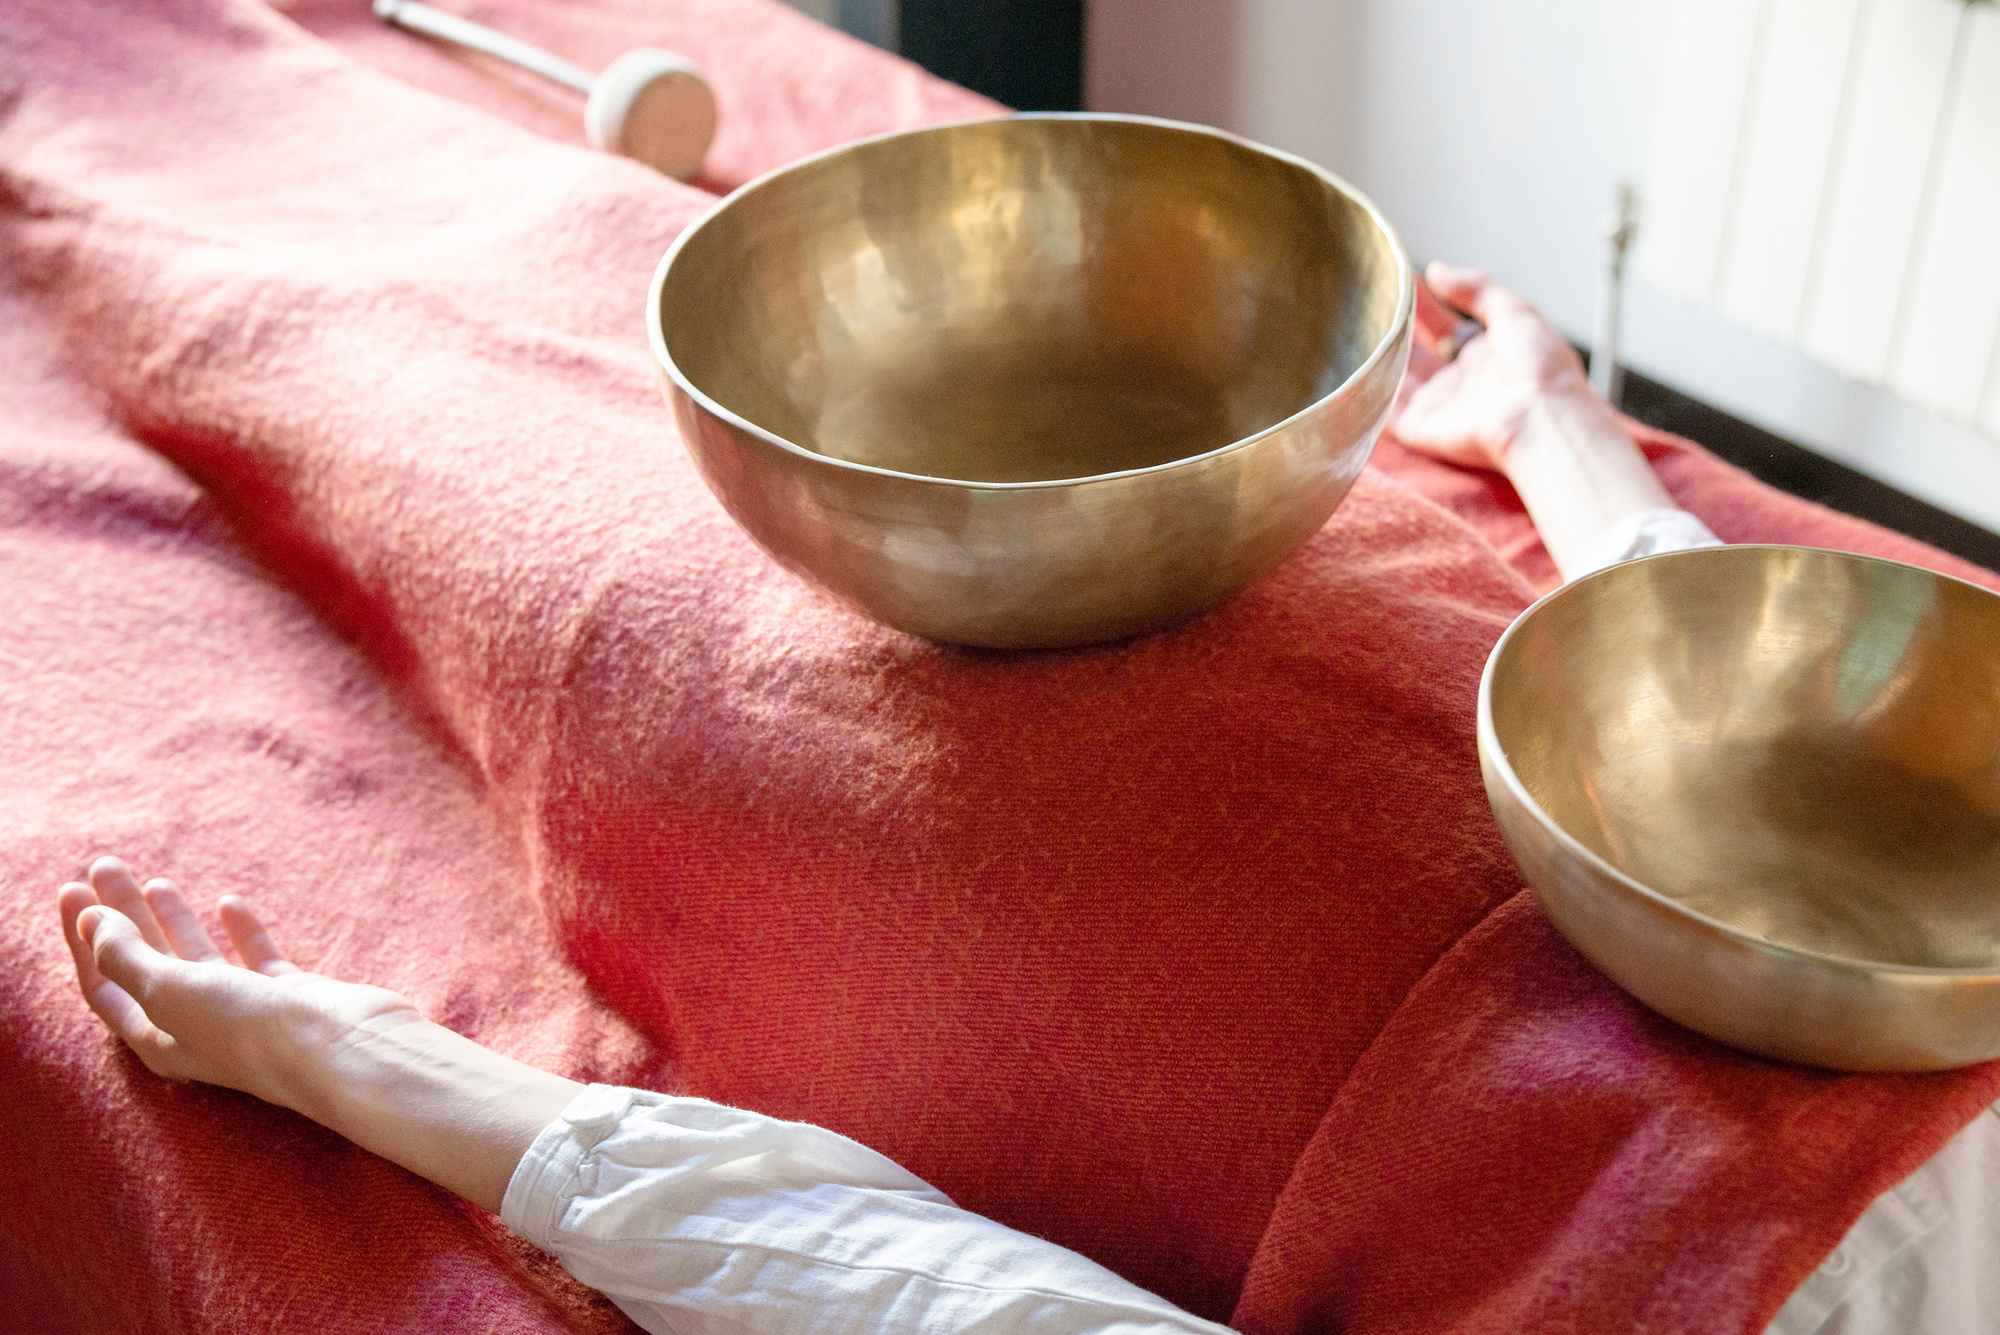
(1469, 410)
(152, 973)
(1516, 399)
(359, 1060)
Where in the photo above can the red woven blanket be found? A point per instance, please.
(352, 564)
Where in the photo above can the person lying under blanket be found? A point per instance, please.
(695, 1216)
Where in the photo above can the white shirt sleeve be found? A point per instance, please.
(1647, 533)
(695, 1218)
(1923, 1259)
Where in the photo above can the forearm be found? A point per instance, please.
(691, 1216)
(1578, 473)
(426, 1098)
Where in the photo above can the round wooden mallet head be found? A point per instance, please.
(654, 107)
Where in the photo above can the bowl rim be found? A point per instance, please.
(1490, 748)
(656, 332)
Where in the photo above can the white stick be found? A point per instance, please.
(415, 17)
(1607, 376)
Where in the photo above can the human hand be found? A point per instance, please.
(151, 972)
(359, 1060)
(1470, 410)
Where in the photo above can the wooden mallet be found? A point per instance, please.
(649, 105)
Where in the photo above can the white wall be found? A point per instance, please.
(1493, 132)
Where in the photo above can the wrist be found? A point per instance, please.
(1578, 472)
(317, 1064)
(1570, 424)
(427, 1098)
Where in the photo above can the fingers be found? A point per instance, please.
(1472, 292)
(184, 931)
(117, 888)
(1442, 331)
(112, 1003)
(1435, 320)
(252, 942)
(71, 901)
(121, 963)
(120, 951)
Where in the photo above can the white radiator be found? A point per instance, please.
(1827, 172)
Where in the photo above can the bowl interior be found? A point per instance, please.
(1802, 744)
(1030, 299)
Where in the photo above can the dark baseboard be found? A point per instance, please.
(1793, 468)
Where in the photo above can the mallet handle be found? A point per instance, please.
(445, 27)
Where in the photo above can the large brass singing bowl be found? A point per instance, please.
(1038, 381)
(1759, 787)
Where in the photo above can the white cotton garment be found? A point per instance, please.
(1923, 1259)
(698, 1219)
(1646, 533)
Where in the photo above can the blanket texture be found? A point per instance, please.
(354, 566)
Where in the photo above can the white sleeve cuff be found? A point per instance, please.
(545, 1180)
(1647, 533)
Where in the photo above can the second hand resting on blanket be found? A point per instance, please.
(1517, 400)
(702, 1216)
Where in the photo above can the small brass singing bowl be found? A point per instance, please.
(1759, 787)
(1038, 381)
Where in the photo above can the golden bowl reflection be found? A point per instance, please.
(1760, 788)
(1036, 381)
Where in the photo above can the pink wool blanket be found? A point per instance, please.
(352, 565)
